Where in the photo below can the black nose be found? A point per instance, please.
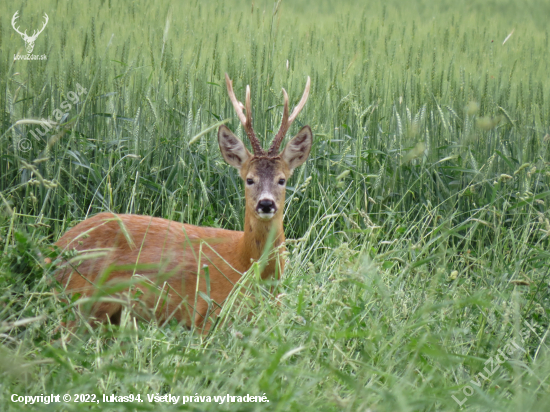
(266, 206)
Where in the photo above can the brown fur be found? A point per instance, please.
(161, 251)
(169, 257)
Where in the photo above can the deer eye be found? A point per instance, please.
(282, 181)
(249, 181)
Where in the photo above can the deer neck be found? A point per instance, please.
(256, 235)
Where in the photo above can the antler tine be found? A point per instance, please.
(13, 19)
(248, 107)
(236, 104)
(274, 149)
(35, 34)
(246, 121)
(287, 121)
(285, 109)
(301, 104)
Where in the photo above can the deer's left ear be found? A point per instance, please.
(297, 150)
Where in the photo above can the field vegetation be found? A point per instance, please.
(418, 253)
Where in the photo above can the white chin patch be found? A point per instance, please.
(266, 216)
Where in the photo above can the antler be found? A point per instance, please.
(15, 17)
(246, 121)
(35, 34)
(287, 121)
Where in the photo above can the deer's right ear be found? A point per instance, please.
(233, 150)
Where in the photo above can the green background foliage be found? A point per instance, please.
(419, 226)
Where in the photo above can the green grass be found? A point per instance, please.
(419, 225)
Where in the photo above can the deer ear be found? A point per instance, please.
(233, 150)
(297, 150)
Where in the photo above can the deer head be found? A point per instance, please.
(265, 173)
(29, 40)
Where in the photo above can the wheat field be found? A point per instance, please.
(418, 230)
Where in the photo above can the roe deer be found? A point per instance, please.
(110, 247)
